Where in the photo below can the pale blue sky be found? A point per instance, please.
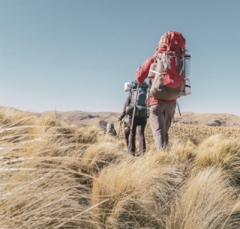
(77, 54)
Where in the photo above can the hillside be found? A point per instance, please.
(84, 118)
(209, 119)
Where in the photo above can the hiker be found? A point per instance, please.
(140, 119)
(110, 130)
(167, 73)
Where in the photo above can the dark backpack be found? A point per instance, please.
(141, 107)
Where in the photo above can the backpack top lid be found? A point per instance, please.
(141, 85)
(171, 41)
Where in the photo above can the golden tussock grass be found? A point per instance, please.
(54, 175)
(138, 190)
(42, 185)
(221, 152)
(207, 200)
(42, 193)
(100, 155)
(15, 118)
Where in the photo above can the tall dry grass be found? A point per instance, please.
(176, 188)
(100, 155)
(54, 175)
(221, 152)
(196, 134)
(42, 185)
(43, 193)
(207, 200)
(140, 190)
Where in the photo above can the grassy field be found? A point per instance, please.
(55, 175)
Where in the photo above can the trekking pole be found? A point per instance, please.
(148, 101)
(134, 110)
(179, 109)
(119, 131)
(173, 132)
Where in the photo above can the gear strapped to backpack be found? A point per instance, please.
(141, 107)
(168, 72)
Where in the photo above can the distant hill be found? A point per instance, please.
(84, 118)
(209, 119)
(13, 108)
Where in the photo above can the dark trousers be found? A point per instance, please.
(141, 124)
(161, 116)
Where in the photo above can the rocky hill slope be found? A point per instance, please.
(84, 118)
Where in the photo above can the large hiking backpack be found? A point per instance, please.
(141, 107)
(167, 72)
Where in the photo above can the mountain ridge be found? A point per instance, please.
(85, 118)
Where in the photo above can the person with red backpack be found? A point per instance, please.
(166, 71)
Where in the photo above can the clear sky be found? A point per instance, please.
(77, 54)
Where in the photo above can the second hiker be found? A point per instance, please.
(140, 119)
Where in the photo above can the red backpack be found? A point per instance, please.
(167, 71)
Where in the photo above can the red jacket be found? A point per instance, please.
(142, 74)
